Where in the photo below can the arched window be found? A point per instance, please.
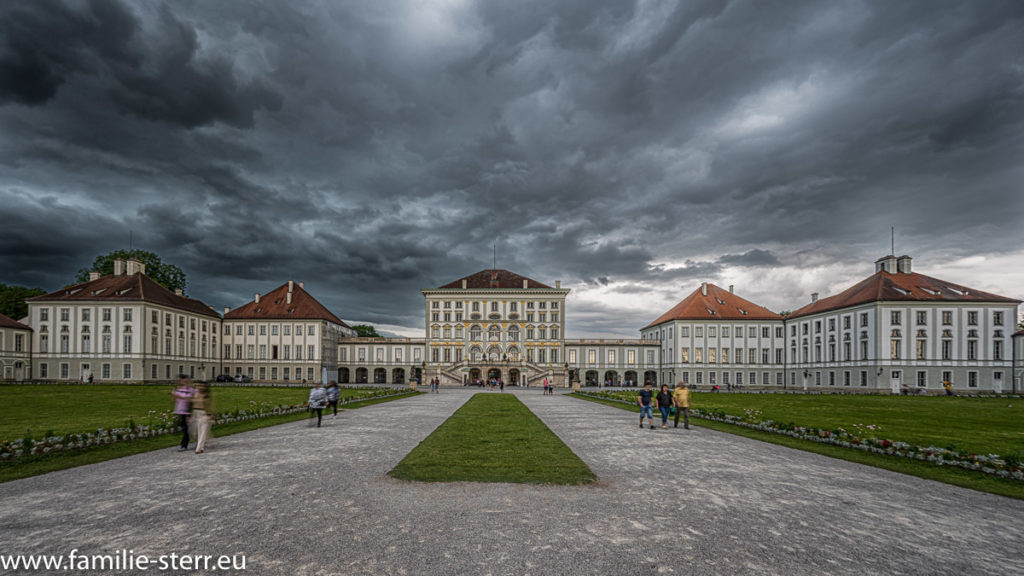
(474, 333)
(494, 334)
(513, 334)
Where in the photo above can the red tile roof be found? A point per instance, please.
(501, 279)
(274, 305)
(883, 286)
(128, 288)
(7, 322)
(717, 304)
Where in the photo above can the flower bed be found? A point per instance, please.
(858, 439)
(158, 424)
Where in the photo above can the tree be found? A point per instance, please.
(167, 275)
(12, 300)
(366, 331)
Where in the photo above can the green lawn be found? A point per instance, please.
(66, 409)
(43, 463)
(973, 425)
(493, 438)
(898, 413)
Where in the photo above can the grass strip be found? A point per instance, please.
(493, 438)
(43, 463)
(948, 475)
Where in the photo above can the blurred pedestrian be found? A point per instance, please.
(182, 407)
(202, 415)
(317, 401)
(333, 395)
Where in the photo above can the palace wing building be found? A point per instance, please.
(122, 327)
(285, 335)
(903, 331)
(15, 349)
(715, 338)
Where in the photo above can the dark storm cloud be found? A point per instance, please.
(628, 148)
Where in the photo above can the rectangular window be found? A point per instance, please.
(298, 353)
(997, 318)
(650, 357)
(298, 330)
(312, 352)
(273, 330)
(631, 357)
(972, 349)
(711, 355)
(997, 350)
(65, 314)
(972, 379)
(698, 355)
(894, 317)
(312, 330)
(572, 356)
(684, 355)
(863, 377)
(846, 378)
(591, 356)
(972, 318)
(894, 349)
(238, 351)
(947, 318)
(263, 329)
(273, 373)
(831, 378)
(698, 331)
(127, 348)
(65, 343)
(863, 319)
(922, 349)
(105, 371)
(700, 377)
(287, 373)
(64, 370)
(947, 349)
(263, 351)
(922, 379)
(126, 370)
(922, 318)
(44, 314)
(611, 356)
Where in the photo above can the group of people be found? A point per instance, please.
(435, 385)
(549, 389)
(321, 398)
(666, 402)
(193, 405)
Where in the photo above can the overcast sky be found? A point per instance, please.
(629, 149)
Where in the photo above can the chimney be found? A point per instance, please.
(704, 288)
(814, 297)
(135, 266)
(257, 298)
(464, 283)
(94, 276)
(291, 286)
(731, 287)
(302, 284)
(179, 292)
(887, 264)
(903, 264)
(118, 267)
(526, 284)
(558, 283)
(288, 298)
(226, 310)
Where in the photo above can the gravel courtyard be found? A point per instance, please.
(300, 500)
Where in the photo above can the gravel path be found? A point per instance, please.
(297, 500)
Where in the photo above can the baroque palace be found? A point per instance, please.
(896, 330)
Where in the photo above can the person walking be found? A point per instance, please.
(664, 403)
(501, 385)
(333, 395)
(317, 401)
(645, 400)
(182, 408)
(202, 415)
(681, 400)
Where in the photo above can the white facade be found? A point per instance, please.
(94, 329)
(15, 350)
(724, 353)
(926, 333)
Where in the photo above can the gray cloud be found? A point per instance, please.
(376, 149)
